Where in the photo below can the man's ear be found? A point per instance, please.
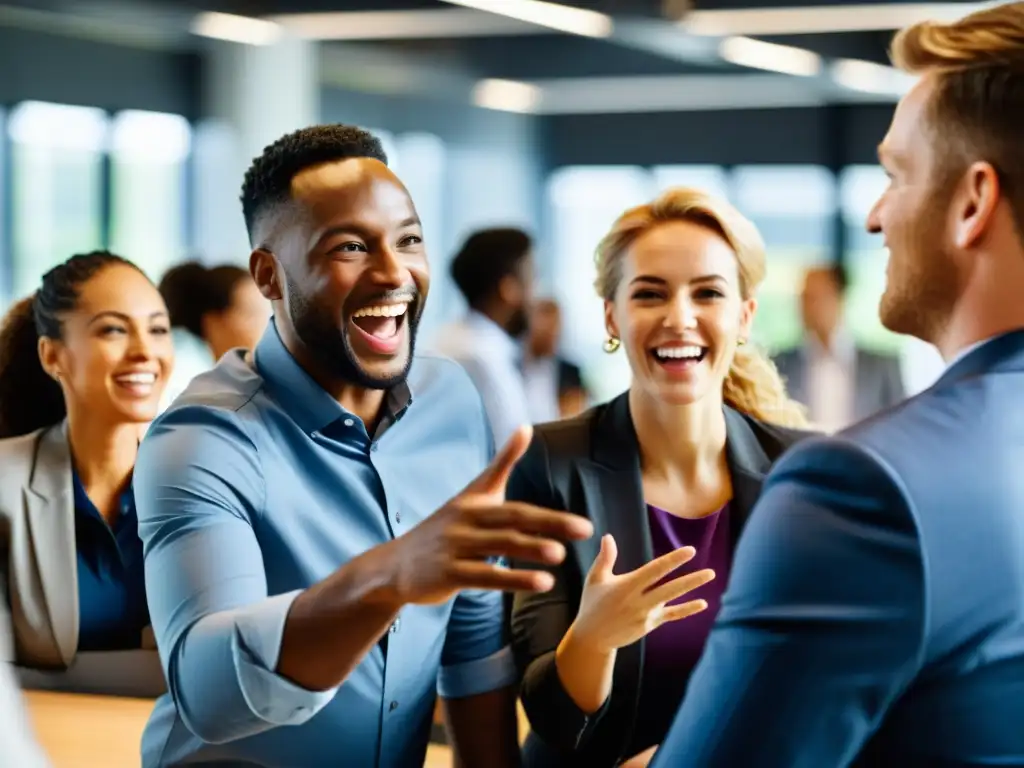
(265, 271)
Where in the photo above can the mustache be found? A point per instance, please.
(405, 293)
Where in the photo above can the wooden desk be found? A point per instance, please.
(79, 731)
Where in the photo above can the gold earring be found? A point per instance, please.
(741, 341)
(611, 345)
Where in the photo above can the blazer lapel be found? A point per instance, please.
(613, 487)
(613, 496)
(50, 509)
(748, 464)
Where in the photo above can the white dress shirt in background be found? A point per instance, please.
(493, 361)
(541, 377)
(830, 384)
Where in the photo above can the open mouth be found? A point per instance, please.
(137, 384)
(679, 358)
(381, 326)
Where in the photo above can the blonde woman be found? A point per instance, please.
(667, 472)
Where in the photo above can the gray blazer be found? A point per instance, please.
(39, 573)
(877, 381)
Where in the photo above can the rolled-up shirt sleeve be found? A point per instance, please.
(476, 657)
(199, 487)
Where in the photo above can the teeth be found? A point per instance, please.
(382, 310)
(689, 352)
(138, 378)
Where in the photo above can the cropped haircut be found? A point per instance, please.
(268, 181)
(485, 259)
(975, 112)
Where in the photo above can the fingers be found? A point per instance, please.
(651, 573)
(480, 575)
(683, 610)
(495, 477)
(676, 588)
(605, 560)
(480, 543)
(527, 518)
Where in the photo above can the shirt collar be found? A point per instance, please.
(305, 401)
(84, 505)
(842, 347)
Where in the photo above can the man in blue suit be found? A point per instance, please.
(875, 613)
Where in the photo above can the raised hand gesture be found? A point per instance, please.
(616, 611)
(454, 548)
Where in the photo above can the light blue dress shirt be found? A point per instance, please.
(257, 484)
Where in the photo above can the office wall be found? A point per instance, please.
(798, 135)
(68, 70)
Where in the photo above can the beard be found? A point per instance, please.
(923, 284)
(327, 340)
(518, 324)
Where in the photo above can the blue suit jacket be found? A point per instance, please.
(875, 611)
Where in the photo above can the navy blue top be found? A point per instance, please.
(111, 582)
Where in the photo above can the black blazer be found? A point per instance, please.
(590, 465)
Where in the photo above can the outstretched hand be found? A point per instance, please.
(617, 610)
(454, 548)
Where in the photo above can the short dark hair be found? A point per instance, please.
(485, 259)
(836, 272)
(840, 275)
(268, 180)
(191, 290)
(29, 398)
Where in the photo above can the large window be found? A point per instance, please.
(860, 186)
(585, 201)
(794, 208)
(57, 196)
(712, 179)
(149, 151)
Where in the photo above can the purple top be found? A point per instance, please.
(673, 649)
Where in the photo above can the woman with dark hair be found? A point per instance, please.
(221, 306)
(83, 363)
(218, 309)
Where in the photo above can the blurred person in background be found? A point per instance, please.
(668, 473)
(554, 386)
(218, 309)
(82, 366)
(319, 515)
(876, 611)
(494, 271)
(18, 747)
(839, 381)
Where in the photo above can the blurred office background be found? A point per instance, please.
(128, 124)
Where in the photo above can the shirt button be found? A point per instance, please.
(393, 706)
(398, 517)
(373, 446)
(349, 422)
(394, 627)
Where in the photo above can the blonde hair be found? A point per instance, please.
(978, 67)
(753, 385)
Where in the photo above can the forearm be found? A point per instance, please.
(483, 730)
(333, 625)
(585, 672)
